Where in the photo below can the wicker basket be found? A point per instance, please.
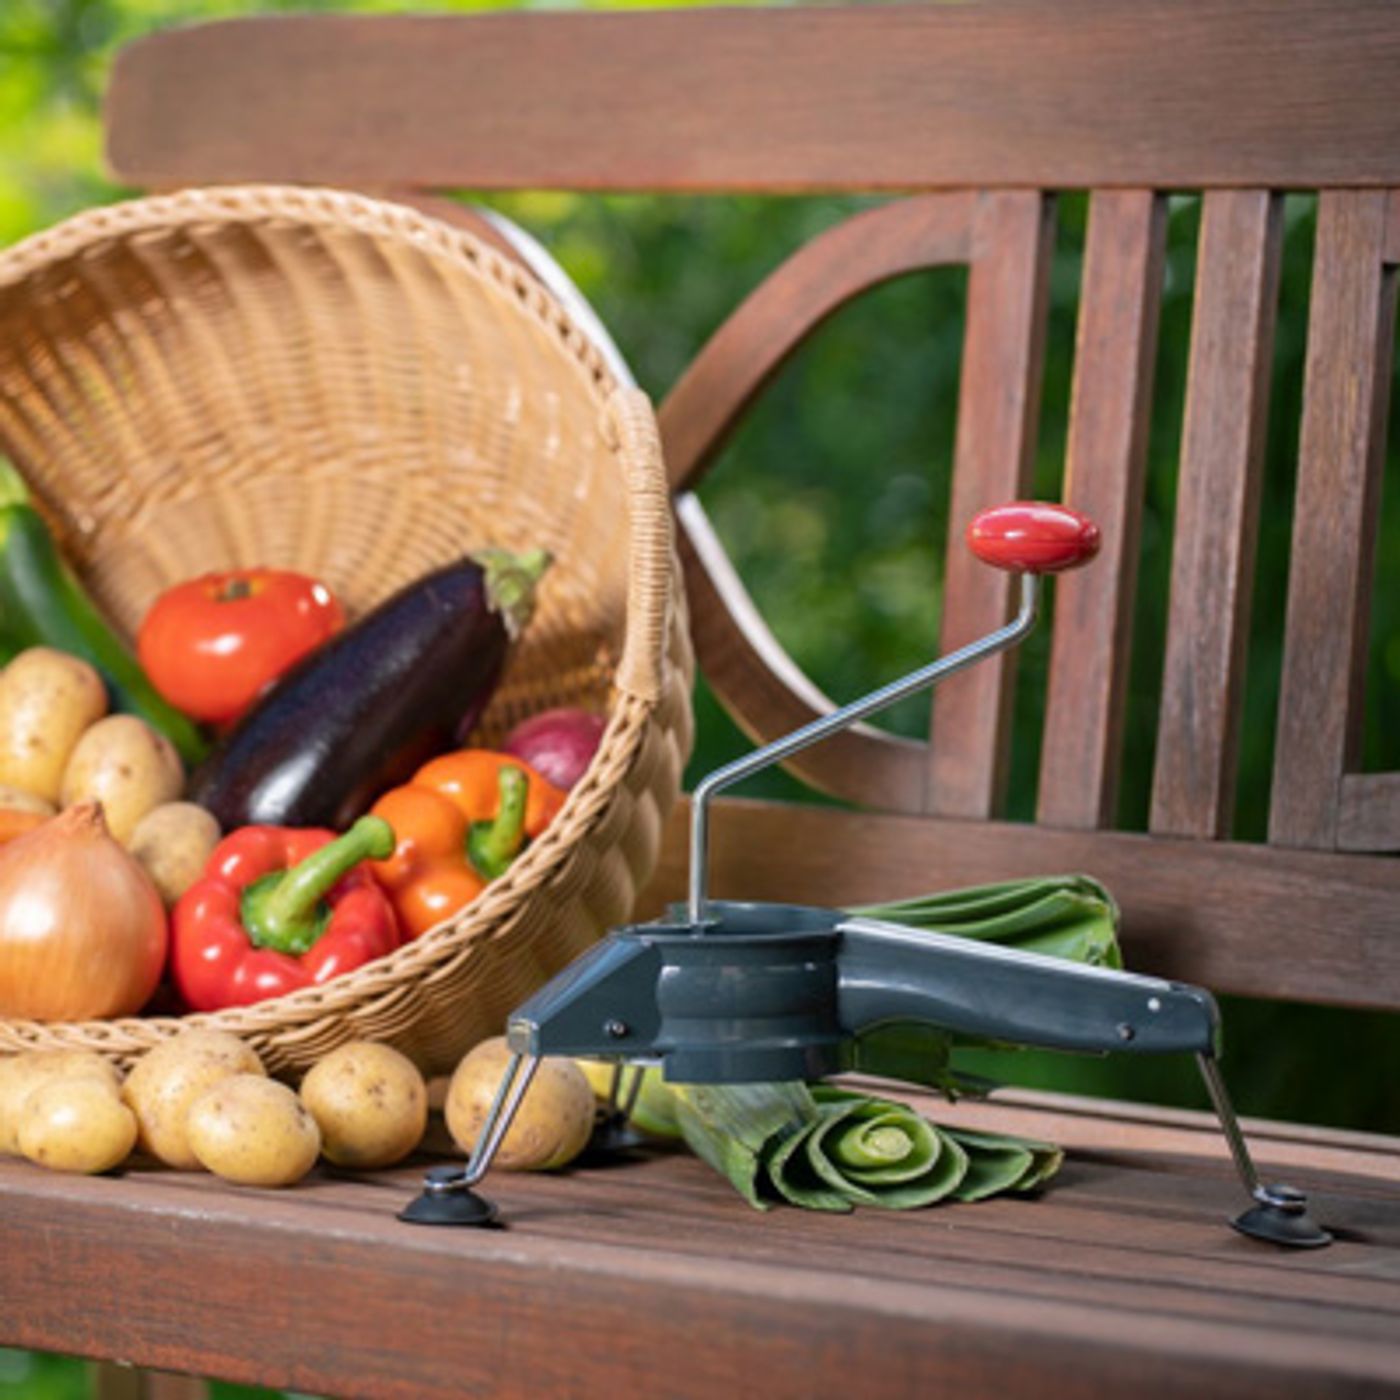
(324, 382)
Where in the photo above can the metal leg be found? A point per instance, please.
(448, 1198)
(1280, 1213)
(514, 1082)
(615, 1090)
(613, 1133)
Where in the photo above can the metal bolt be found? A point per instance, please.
(1125, 1031)
(618, 1030)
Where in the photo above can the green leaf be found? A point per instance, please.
(994, 1164)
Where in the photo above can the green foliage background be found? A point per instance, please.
(832, 498)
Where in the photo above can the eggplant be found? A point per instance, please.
(357, 715)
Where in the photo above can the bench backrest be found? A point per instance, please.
(976, 114)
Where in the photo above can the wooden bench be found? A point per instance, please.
(656, 1280)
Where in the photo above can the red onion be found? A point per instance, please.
(558, 744)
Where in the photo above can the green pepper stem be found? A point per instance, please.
(492, 845)
(284, 911)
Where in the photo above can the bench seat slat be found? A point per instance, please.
(1122, 1274)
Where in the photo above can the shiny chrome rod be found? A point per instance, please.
(828, 725)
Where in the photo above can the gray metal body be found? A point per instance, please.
(769, 992)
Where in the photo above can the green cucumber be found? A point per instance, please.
(42, 603)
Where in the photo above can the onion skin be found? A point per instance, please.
(83, 932)
(558, 744)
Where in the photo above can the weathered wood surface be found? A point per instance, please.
(1351, 334)
(993, 455)
(1235, 917)
(1217, 513)
(1115, 354)
(654, 1278)
(1369, 818)
(1115, 92)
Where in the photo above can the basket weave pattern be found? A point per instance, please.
(319, 381)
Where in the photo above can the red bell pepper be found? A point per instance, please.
(280, 908)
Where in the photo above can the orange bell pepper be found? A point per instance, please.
(460, 821)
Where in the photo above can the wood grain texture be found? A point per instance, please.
(605, 1280)
(767, 694)
(1237, 918)
(1217, 513)
(993, 454)
(1118, 92)
(1351, 335)
(1115, 354)
(1369, 815)
(762, 333)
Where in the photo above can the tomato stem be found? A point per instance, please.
(234, 589)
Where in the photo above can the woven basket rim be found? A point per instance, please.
(317, 205)
(86, 233)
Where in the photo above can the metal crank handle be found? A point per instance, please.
(1029, 538)
(889, 972)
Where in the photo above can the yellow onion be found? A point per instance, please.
(82, 929)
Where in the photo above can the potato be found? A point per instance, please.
(254, 1131)
(15, 799)
(173, 842)
(125, 765)
(552, 1125)
(20, 1075)
(370, 1103)
(47, 700)
(167, 1079)
(76, 1125)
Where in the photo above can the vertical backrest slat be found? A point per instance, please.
(998, 410)
(1346, 383)
(1115, 353)
(1217, 513)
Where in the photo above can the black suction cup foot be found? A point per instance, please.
(612, 1137)
(443, 1202)
(1280, 1216)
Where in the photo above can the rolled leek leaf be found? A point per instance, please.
(833, 1149)
(881, 1153)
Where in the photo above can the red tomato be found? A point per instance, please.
(213, 644)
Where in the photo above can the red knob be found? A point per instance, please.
(1033, 537)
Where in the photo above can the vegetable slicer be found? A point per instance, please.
(728, 992)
